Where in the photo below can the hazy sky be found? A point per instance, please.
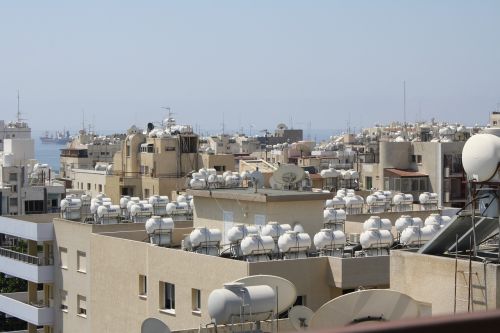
(255, 62)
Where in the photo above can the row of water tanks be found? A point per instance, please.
(344, 174)
(209, 177)
(416, 234)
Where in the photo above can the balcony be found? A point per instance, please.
(16, 305)
(24, 266)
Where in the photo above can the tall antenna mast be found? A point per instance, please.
(18, 108)
(223, 124)
(404, 108)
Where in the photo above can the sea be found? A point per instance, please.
(46, 153)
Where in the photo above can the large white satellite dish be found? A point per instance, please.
(362, 306)
(153, 325)
(286, 289)
(300, 317)
(288, 174)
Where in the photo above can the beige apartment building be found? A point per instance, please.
(109, 278)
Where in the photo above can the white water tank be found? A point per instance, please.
(403, 222)
(158, 200)
(124, 200)
(334, 215)
(328, 238)
(413, 235)
(159, 230)
(375, 238)
(141, 209)
(204, 235)
(434, 219)
(375, 222)
(341, 193)
(352, 200)
(225, 305)
(255, 243)
(292, 241)
(274, 229)
(108, 211)
(374, 199)
(181, 198)
(198, 183)
(70, 208)
(240, 231)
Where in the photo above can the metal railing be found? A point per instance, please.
(29, 259)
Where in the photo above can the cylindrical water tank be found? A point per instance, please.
(329, 238)
(274, 229)
(375, 222)
(108, 211)
(156, 223)
(403, 222)
(225, 305)
(70, 203)
(334, 215)
(204, 235)
(424, 197)
(181, 198)
(124, 200)
(141, 209)
(293, 241)
(398, 199)
(94, 205)
(237, 233)
(158, 200)
(353, 200)
(373, 199)
(198, 183)
(415, 235)
(252, 243)
(434, 219)
(375, 238)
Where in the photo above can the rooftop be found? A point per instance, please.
(34, 218)
(262, 195)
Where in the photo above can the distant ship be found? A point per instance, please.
(60, 138)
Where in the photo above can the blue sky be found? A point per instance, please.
(252, 62)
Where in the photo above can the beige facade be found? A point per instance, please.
(440, 161)
(431, 279)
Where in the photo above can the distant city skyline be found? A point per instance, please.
(321, 65)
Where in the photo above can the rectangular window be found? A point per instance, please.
(419, 159)
(196, 300)
(63, 255)
(100, 188)
(143, 285)
(81, 261)
(64, 300)
(82, 306)
(12, 177)
(146, 193)
(369, 183)
(13, 202)
(88, 186)
(167, 296)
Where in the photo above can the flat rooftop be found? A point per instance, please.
(262, 195)
(34, 218)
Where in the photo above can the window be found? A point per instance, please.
(88, 186)
(128, 149)
(13, 202)
(81, 306)
(196, 300)
(143, 286)
(81, 259)
(63, 254)
(64, 300)
(167, 297)
(12, 177)
(369, 183)
(220, 168)
(100, 188)
(419, 159)
(146, 193)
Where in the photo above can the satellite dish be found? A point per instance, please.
(282, 126)
(257, 178)
(286, 289)
(366, 305)
(300, 317)
(288, 174)
(153, 325)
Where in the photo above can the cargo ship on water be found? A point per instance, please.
(60, 138)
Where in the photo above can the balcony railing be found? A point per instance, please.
(29, 259)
